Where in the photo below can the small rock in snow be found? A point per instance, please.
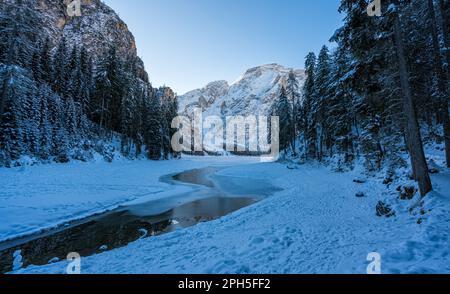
(359, 181)
(360, 194)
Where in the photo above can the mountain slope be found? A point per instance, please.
(253, 93)
(97, 29)
(74, 86)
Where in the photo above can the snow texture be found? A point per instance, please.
(42, 197)
(316, 224)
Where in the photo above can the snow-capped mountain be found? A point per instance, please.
(253, 93)
(97, 29)
(204, 97)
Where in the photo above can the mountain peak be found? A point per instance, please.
(269, 66)
(217, 84)
(253, 93)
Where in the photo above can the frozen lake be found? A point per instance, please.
(212, 196)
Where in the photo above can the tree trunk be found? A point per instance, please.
(417, 155)
(294, 126)
(413, 162)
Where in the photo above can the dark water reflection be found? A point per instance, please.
(128, 224)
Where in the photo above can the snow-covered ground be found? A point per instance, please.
(315, 225)
(42, 197)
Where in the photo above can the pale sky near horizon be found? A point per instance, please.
(186, 44)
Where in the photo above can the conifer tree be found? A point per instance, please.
(293, 94)
(321, 99)
(20, 32)
(283, 110)
(308, 118)
(60, 68)
(45, 129)
(45, 62)
(71, 120)
(153, 138)
(10, 132)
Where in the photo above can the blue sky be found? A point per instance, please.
(187, 43)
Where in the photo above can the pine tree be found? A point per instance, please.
(444, 10)
(128, 109)
(116, 79)
(153, 138)
(413, 135)
(15, 94)
(322, 95)
(45, 62)
(62, 146)
(45, 129)
(442, 79)
(283, 110)
(76, 88)
(169, 110)
(20, 31)
(60, 68)
(35, 65)
(109, 91)
(98, 105)
(87, 82)
(34, 117)
(10, 133)
(341, 113)
(372, 77)
(72, 103)
(293, 94)
(308, 119)
(60, 143)
(172, 113)
(71, 120)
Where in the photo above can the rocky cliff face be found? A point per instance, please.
(96, 29)
(253, 93)
(204, 97)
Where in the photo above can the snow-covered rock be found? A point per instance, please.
(252, 94)
(204, 97)
(97, 29)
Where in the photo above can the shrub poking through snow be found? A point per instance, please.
(384, 209)
(407, 192)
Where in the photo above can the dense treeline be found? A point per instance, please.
(383, 90)
(58, 103)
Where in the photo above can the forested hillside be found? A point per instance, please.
(73, 87)
(383, 91)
